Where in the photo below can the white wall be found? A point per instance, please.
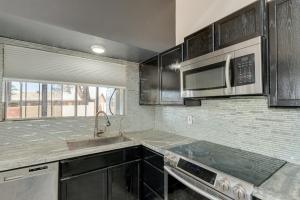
(192, 15)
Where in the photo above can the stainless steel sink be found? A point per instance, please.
(73, 145)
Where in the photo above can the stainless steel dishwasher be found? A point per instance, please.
(32, 183)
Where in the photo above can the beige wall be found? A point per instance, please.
(192, 15)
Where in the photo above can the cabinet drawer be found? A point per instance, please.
(85, 164)
(154, 178)
(199, 43)
(153, 158)
(149, 194)
(240, 26)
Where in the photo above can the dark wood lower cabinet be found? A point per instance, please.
(89, 186)
(149, 194)
(124, 182)
(129, 177)
(154, 178)
(152, 175)
(113, 175)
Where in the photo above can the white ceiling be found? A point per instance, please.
(138, 28)
(197, 14)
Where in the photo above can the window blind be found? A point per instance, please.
(32, 64)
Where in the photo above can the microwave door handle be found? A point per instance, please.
(189, 185)
(227, 71)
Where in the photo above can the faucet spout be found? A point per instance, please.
(98, 131)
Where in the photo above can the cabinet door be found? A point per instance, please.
(284, 53)
(149, 194)
(91, 186)
(199, 43)
(124, 181)
(242, 25)
(149, 82)
(154, 178)
(170, 76)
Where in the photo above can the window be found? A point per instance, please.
(33, 100)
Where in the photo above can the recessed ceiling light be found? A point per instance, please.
(98, 49)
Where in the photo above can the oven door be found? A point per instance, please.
(179, 186)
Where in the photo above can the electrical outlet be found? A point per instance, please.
(190, 119)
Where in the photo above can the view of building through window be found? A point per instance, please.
(31, 100)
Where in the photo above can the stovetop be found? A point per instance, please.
(247, 166)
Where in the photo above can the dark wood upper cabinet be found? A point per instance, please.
(149, 81)
(284, 40)
(199, 43)
(242, 25)
(170, 75)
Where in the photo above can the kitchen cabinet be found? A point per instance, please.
(255, 198)
(170, 75)
(152, 175)
(80, 165)
(110, 175)
(124, 181)
(160, 78)
(149, 81)
(149, 194)
(284, 28)
(199, 43)
(90, 185)
(240, 26)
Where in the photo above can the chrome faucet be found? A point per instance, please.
(97, 131)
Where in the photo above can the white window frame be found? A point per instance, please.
(122, 104)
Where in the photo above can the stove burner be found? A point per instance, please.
(250, 167)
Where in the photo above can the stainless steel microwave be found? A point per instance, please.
(235, 70)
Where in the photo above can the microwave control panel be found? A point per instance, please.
(244, 70)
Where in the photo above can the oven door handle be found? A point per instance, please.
(227, 71)
(189, 185)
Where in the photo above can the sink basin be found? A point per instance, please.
(73, 145)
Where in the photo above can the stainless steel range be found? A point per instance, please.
(207, 171)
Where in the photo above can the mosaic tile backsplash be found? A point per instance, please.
(247, 124)
(241, 123)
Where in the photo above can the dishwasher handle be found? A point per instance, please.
(13, 178)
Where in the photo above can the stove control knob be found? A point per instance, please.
(224, 185)
(239, 192)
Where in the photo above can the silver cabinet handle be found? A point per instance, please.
(189, 185)
(227, 71)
